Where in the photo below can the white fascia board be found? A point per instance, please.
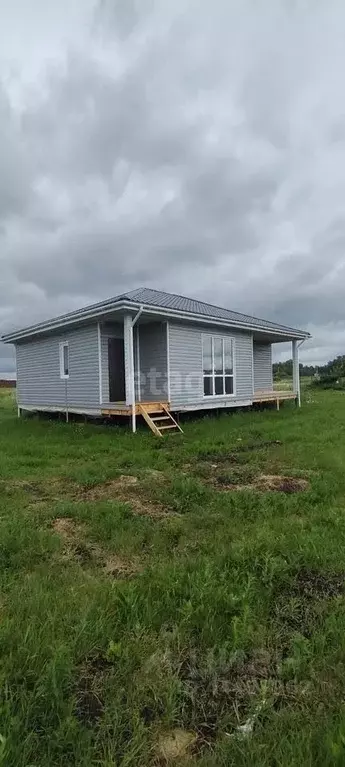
(285, 335)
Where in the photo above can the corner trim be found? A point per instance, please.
(100, 378)
(253, 378)
(168, 361)
(138, 363)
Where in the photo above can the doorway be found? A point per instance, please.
(116, 362)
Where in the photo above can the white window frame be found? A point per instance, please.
(213, 374)
(62, 346)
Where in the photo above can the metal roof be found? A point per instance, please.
(183, 304)
(156, 300)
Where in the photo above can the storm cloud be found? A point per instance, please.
(188, 146)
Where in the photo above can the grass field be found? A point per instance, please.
(176, 601)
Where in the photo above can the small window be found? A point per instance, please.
(64, 360)
(218, 366)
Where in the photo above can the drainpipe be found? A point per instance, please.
(296, 375)
(299, 376)
(134, 417)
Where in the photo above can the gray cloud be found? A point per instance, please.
(188, 147)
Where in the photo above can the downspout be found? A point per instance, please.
(134, 321)
(298, 373)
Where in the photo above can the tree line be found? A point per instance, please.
(333, 369)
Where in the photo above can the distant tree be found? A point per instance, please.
(335, 367)
(285, 370)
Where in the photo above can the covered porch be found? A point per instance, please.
(269, 390)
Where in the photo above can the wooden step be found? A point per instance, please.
(151, 420)
(161, 418)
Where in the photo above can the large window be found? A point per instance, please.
(64, 360)
(218, 366)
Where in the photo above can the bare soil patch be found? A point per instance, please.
(221, 456)
(89, 706)
(301, 605)
(311, 584)
(227, 692)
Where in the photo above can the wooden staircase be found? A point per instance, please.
(159, 420)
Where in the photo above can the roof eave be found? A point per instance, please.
(78, 317)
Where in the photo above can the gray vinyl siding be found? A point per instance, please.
(263, 374)
(153, 361)
(38, 370)
(186, 372)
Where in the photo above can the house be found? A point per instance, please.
(151, 353)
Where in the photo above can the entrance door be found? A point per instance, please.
(116, 358)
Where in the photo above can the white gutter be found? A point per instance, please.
(153, 310)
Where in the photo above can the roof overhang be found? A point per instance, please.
(119, 307)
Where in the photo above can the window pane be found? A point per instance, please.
(65, 360)
(218, 355)
(219, 385)
(229, 385)
(207, 353)
(228, 355)
(207, 387)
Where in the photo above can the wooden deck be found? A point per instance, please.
(120, 408)
(274, 396)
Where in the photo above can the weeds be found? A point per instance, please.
(151, 615)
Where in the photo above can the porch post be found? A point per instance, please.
(295, 373)
(129, 366)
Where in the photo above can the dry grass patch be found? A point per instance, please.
(264, 483)
(155, 474)
(280, 483)
(124, 489)
(41, 491)
(76, 547)
(67, 528)
(120, 567)
(153, 509)
(173, 745)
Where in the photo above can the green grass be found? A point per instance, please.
(222, 602)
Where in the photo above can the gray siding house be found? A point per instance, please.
(145, 352)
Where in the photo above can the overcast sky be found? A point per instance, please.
(188, 145)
